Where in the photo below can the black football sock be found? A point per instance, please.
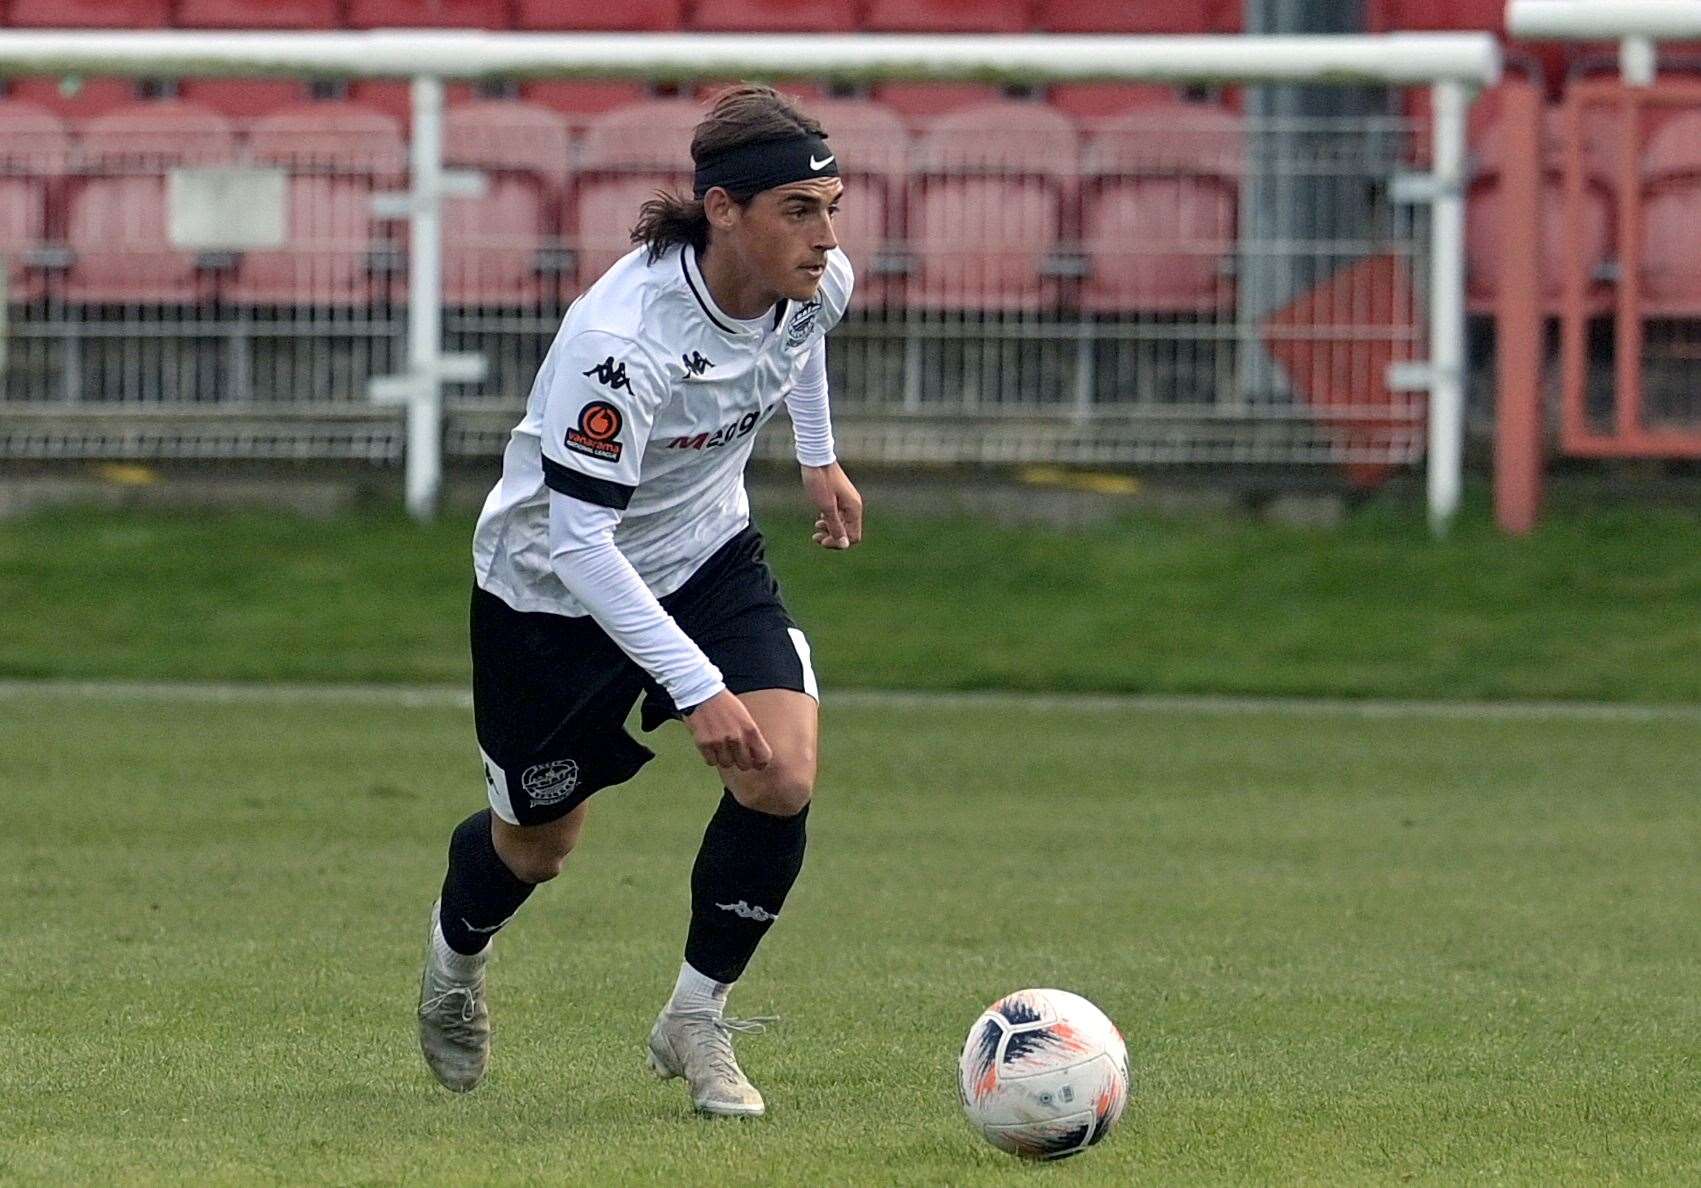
(480, 893)
(748, 862)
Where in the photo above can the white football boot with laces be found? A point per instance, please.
(454, 1022)
(697, 1045)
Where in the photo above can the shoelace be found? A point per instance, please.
(432, 1005)
(719, 1046)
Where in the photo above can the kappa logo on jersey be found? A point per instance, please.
(725, 435)
(695, 364)
(547, 783)
(802, 322)
(610, 374)
(599, 425)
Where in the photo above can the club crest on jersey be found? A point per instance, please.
(547, 783)
(610, 374)
(802, 322)
(599, 424)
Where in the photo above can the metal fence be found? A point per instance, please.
(1031, 285)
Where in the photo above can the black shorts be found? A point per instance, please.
(551, 694)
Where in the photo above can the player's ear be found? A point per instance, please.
(721, 210)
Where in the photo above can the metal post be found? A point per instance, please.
(425, 301)
(1638, 61)
(1447, 306)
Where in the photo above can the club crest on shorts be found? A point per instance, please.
(546, 783)
(802, 322)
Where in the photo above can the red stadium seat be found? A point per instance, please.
(339, 155)
(89, 14)
(1440, 15)
(1483, 220)
(1158, 211)
(428, 14)
(33, 141)
(75, 98)
(642, 15)
(122, 253)
(775, 16)
(257, 14)
(581, 100)
(625, 157)
(922, 101)
(1098, 101)
(395, 99)
(873, 150)
(330, 137)
(1138, 16)
(946, 16)
(243, 98)
(1671, 259)
(492, 242)
(987, 212)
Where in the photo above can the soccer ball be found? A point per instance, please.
(1043, 1074)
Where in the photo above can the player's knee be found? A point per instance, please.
(536, 854)
(782, 789)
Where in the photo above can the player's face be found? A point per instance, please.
(783, 236)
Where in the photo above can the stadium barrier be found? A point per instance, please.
(1036, 284)
(1623, 164)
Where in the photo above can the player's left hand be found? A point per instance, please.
(839, 525)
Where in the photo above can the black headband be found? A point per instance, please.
(751, 168)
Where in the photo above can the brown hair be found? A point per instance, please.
(744, 114)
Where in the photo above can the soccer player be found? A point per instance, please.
(615, 559)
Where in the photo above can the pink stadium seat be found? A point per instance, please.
(644, 15)
(1137, 16)
(492, 242)
(1671, 262)
(873, 150)
(122, 253)
(330, 137)
(75, 98)
(987, 211)
(580, 100)
(33, 141)
(257, 14)
(89, 14)
(395, 99)
(243, 98)
(626, 156)
(922, 101)
(1483, 218)
(946, 16)
(1158, 211)
(339, 155)
(1098, 101)
(773, 16)
(423, 14)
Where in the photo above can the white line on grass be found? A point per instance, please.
(447, 696)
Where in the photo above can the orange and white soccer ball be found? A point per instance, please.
(1043, 1074)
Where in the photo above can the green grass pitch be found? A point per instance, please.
(1344, 948)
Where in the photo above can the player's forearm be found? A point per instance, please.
(597, 573)
(811, 420)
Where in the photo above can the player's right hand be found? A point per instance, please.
(726, 735)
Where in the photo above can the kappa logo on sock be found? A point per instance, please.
(759, 914)
(547, 783)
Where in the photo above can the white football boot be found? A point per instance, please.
(697, 1045)
(454, 1022)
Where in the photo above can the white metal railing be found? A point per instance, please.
(1635, 24)
(1454, 65)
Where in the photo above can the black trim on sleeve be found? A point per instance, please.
(564, 480)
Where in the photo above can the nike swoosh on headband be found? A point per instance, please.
(821, 164)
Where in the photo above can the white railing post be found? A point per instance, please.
(425, 301)
(1447, 306)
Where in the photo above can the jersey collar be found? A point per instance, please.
(723, 321)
